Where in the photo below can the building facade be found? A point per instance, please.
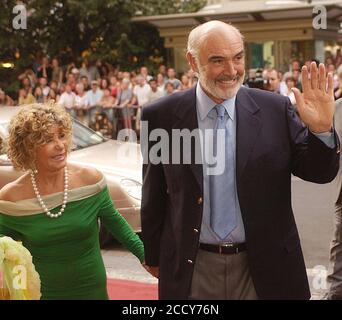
(275, 31)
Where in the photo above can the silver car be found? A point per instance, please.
(120, 162)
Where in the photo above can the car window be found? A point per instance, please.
(84, 137)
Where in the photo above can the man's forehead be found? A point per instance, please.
(273, 73)
(221, 41)
(225, 50)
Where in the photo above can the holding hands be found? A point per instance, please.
(154, 271)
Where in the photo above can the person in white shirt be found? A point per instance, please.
(81, 103)
(171, 73)
(67, 100)
(282, 85)
(161, 82)
(141, 91)
(43, 84)
(80, 99)
(144, 73)
(155, 92)
(290, 83)
(140, 98)
(93, 97)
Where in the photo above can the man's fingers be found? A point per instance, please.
(313, 75)
(322, 78)
(299, 99)
(330, 89)
(305, 79)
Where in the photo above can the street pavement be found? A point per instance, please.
(313, 206)
(127, 279)
(313, 209)
(121, 264)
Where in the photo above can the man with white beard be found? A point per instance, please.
(231, 234)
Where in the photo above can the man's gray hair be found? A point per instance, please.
(199, 33)
(126, 81)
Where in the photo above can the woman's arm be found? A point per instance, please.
(119, 227)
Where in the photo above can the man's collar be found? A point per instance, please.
(206, 104)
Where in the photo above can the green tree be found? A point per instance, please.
(98, 29)
(160, 7)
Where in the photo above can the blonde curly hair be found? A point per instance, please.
(29, 129)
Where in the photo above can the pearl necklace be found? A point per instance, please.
(40, 200)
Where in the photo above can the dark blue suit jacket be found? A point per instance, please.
(271, 145)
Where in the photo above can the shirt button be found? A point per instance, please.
(190, 262)
(200, 200)
(196, 230)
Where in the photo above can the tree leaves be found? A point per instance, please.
(102, 28)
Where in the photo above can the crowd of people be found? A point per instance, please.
(97, 94)
(282, 82)
(107, 99)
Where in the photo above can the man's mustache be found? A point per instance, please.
(228, 78)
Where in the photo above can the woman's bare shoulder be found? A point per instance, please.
(18, 189)
(85, 175)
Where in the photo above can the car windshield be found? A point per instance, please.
(82, 137)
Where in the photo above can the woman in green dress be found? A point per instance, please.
(54, 207)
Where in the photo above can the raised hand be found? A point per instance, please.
(316, 105)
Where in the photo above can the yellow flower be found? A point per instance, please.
(24, 284)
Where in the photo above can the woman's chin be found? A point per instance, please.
(58, 165)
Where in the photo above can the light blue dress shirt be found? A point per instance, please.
(92, 99)
(206, 116)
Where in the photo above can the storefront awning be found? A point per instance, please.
(237, 11)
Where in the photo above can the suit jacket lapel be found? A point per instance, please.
(186, 118)
(248, 128)
(247, 131)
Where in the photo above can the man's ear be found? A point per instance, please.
(192, 62)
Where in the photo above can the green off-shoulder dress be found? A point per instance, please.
(66, 250)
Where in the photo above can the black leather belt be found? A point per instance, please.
(227, 248)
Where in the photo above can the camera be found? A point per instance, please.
(255, 79)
